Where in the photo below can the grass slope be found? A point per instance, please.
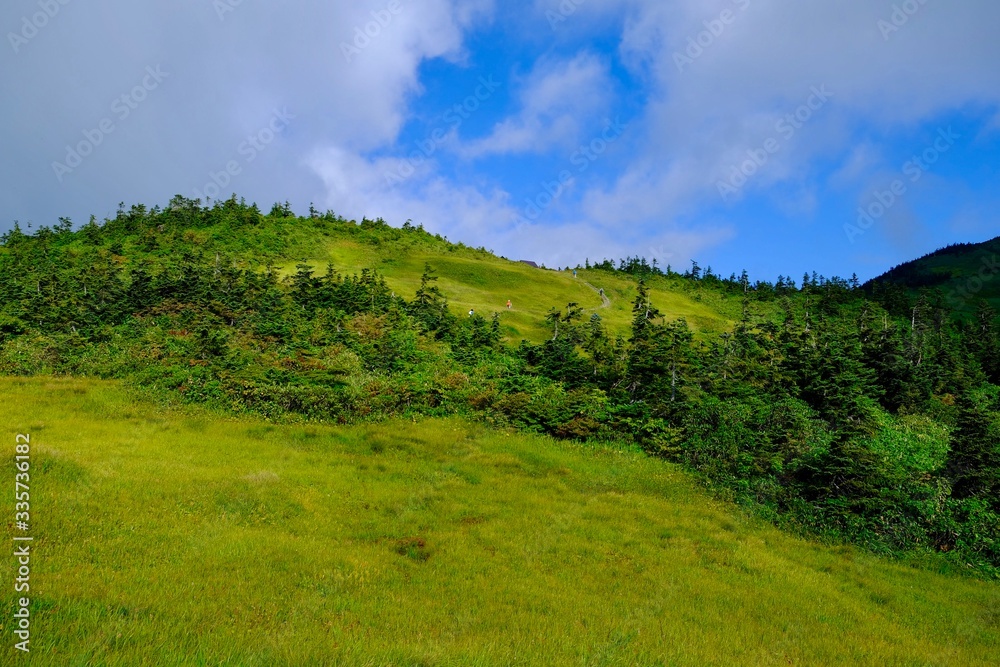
(470, 278)
(169, 537)
(475, 279)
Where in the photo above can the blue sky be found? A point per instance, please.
(778, 137)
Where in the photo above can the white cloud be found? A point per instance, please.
(760, 65)
(226, 77)
(687, 127)
(357, 187)
(699, 122)
(989, 129)
(557, 99)
(860, 163)
(483, 215)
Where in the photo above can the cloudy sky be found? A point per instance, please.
(773, 135)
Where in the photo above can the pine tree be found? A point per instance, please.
(974, 460)
(429, 306)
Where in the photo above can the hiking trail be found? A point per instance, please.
(604, 297)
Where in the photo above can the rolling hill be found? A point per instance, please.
(478, 280)
(272, 439)
(965, 274)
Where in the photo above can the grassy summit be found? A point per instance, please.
(475, 279)
(471, 278)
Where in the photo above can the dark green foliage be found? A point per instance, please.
(429, 306)
(974, 459)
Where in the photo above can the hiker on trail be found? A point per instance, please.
(574, 273)
(508, 304)
(602, 292)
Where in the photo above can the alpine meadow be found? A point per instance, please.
(269, 439)
(482, 333)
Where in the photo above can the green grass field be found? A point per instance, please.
(169, 536)
(472, 279)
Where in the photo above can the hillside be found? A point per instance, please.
(478, 280)
(474, 278)
(177, 536)
(965, 274)
(812, 405)
(471, 278)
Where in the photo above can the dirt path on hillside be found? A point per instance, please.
(605, 301)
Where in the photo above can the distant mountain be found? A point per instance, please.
(965, 274)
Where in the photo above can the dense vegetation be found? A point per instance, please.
(871, 415)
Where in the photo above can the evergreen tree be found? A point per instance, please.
(974, 459)
(429, 306)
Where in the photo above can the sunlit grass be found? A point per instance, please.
(170, 537)
(484, 283)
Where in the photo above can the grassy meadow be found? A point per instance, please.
(473, 279)
(173, 536)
